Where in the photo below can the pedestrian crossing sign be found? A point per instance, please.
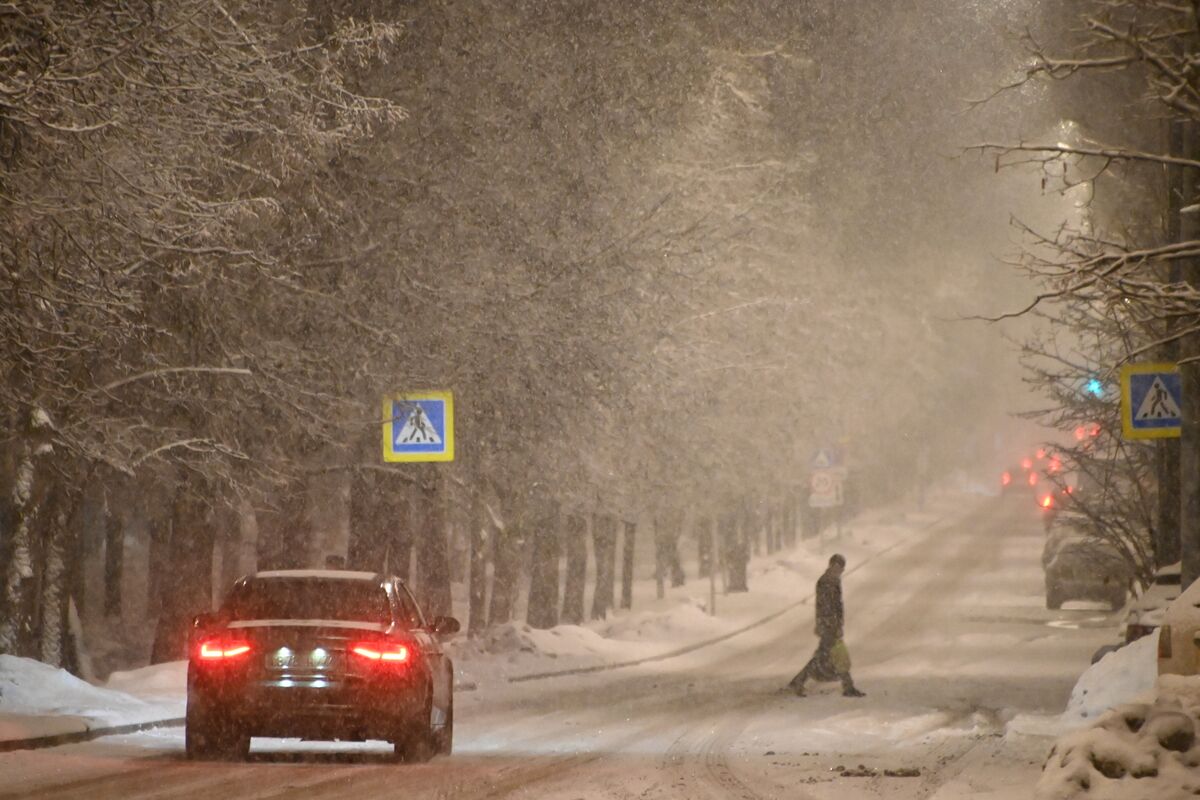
(418, 427)
(1151, 401)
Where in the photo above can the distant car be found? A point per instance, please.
(1080, 568)
(1177, 645)
(1145, 614)
(319, 654)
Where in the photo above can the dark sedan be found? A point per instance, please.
(319, 654)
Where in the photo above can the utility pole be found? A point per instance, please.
(1189, 347)
(1166, 528)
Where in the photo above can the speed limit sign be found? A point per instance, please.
(826, 489)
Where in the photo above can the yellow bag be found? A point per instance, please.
(839, 657)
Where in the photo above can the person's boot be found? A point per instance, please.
(851, 691)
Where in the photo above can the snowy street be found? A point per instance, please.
(949, 636)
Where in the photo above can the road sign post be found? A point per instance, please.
(418, 427)
(1151, 401)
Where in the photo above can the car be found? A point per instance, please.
(319, 654)
(1177, 645)
(1146, 613)
(1079, 567)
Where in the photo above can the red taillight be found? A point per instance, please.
(1164, 641)
(382, 652)
(1033, 479)
(1048, 501)
(219, 649)
(1055, 465)
(1041, 454)
(1005, 479)
(1027, 463)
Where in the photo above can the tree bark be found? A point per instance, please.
(576, 583)
(477, 591)
(704, 548)
(506, 576)
(188, 589)
(114, 561)
(629, 541)
(15, 611)
(432, 545)
(604, 544)
(53, 609)
(542, 611)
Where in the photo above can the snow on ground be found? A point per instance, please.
(36, 699)
(1137, 750)
(40, 700)
(656, 627)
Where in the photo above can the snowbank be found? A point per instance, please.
(37, 700)
(1137, 750)
(1120, 677)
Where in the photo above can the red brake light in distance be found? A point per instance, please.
(382, 652)
(1033, 479)
(1048, 501)
(1005, 479)
(1027, 463)
(1041, 454)
(218, 650)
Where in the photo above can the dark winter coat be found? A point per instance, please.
(830, 613)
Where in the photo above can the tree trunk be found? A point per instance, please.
(704, 548)
(187, 588)
(15, 607)
(629, 540)
(114, 562)
(432, 544)
(477, 591)
(604, 545)
(506, 576)
(736, 553)
(542, 611)
(576, 583)
(53, 609)
(284, 531)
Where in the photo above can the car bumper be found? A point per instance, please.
(313, 708)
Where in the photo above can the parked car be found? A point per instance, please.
(319, 654)
(1177, 636)
(1146, 613)
(1081, 568)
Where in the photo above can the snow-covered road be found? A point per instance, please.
(950, 639)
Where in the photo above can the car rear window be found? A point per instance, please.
(309, 598)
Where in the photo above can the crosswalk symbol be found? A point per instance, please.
(1158, 403)
(418, 427)
(1151, 401)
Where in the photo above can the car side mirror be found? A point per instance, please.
(445, 626)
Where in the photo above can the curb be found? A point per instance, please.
(537, 676)
(73, 737)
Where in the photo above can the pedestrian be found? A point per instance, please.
(831, 661)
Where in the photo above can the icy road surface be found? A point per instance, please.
(950, 639)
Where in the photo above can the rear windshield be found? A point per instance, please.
(309, 598)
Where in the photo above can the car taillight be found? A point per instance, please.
(217, 649)
(1005, 479)
(1048, 501)
(1164, 641)
(1033, 479)
(382, 652)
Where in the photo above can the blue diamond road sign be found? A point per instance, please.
(418, 427)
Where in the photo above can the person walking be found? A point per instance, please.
(831, 661)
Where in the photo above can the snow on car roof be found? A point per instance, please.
(337, 574)
(1170, 569)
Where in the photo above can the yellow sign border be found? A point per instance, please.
(391, 457)
(1127, 429)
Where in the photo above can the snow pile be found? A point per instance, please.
(689, 621)
(31, 691)
(1137, 750)
(1117, 678)
(31, 687)
(157, 682)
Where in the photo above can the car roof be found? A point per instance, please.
(1170, 569)
(325, 574)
